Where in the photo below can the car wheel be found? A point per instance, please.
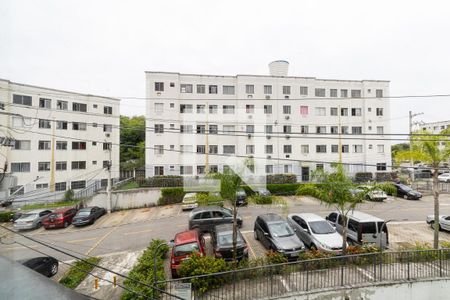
(39, 225)
(54, 269)
(66, 224)
(93, 220)
(432, 226)
(255, 234)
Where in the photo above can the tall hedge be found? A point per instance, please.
(171, 195)
(281, 178)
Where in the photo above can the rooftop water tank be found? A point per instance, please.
(279, 68)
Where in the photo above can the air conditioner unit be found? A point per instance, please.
(268, 156)
(288, 137)
(268, 137)
(267, 97)
(107, 134)
(249, 96)
(249, 136)
(287, 156)
(287, 117)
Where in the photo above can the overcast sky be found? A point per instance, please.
(104, 47)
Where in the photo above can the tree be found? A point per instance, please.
(433, 150)
(398, 147)
(132, 142)
(335, 190)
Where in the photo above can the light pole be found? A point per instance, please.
(380, 233)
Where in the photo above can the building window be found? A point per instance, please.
(334, 129)
(249, 89)
(228, 149)
(333, 93)
(61, 166)
(345, 148)
(334, 148)
(21, 99)
(379, 111)
(287, 169)
(304, 111)
(44, 124)
(186, 108)
(286, 109)
(357, 148)
(356, 112)
(107, 146)
(333, 111)
(287, 128)
(250, 149)
(268, 89)
(186, 149)
(213, 129)
(268, 149)
(213, 149)
(43, 166)
(61, 125)
(201, 108)
(201, 89)
(356, 130)
(381, 166)
(94, 105)
(186, 170)
(287, 148)
(159, 128)
(344, 93)
(319, 167)
(78, 145)
(45, 103)
(22, 145)
(228, 129)
(380, 148)
(321, 129)
(304, 90)
(76, 185)
(213, 109)
(286, 90)
(61, 145)
(201, 129)
(319, 92)
(344, 129)
(40, 186)
(250, 108)
(159, 171)
(344, 111)
(228, 89)
(321, 111)
(304, 149)
(250, 128)
(20, 122)
(20, 167)
(379, 93)
(212, 89)
(159, 108)
(380, 130)
(304, 129)
(44, 145)
(186, 88)
(78, 165)
(268, 109)
(60, 186)
(268, 128)
(79, 107)
(356, 93)
(78, 126)
(321, 148)
(107, 128)
(201, 149)
(62, 105)
(269, 169)
(159, 86)
(107, 110)
(159, 149)
(228, 109)
(213, 168)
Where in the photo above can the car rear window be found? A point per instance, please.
(226, 238)
(185, 249)
(28, 216)
(369, 227)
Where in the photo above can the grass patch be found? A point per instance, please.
(50, 205)
(78, 272)
(127, 186)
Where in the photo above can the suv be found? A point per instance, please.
(222, 241)
(59, 218)
(184, 244)
(276, 234)
(204, 218)
(361, 227)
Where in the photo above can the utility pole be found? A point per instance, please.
(52, 163)
(340, 135)
(411, 116)
(207, 140)
(108, 187)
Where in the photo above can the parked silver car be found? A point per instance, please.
(444, 222)
(315, 232)
(32, 219)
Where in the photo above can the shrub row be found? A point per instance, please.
(281, 178)
(78, 272)
(260, 199)
(171, 196)
(162, 181)
(143, 272)
(6, 216)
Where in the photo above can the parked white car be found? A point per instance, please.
(189, 201)
(445, 177)
(315, 232)
(444, 222)
(373, 194)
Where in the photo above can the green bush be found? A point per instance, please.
(143, 272)
(171, 196)
(363, 176)
(286, 189)
(6, 216)
(68, 195)
(205, 199)
(163, 181)
(260, 199)
(281, 178)
(309, 189)
(78, 272)
(383, 176)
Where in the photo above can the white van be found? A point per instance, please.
(362, 228)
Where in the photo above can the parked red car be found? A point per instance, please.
(184, 244)
(60, 218)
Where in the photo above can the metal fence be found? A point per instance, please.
(428, 186)
(317, 274)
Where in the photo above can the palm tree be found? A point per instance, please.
(433, 150)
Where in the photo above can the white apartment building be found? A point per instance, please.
(434, 127)
(295, 124)
(62, 140)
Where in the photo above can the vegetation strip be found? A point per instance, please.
(78, 272)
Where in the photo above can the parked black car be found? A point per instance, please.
(276, 234)
(45, 265)
(222, 241)
(88, 215)
(241, 197)
(407, 192)
(204, 218)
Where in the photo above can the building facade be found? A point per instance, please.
(434, 127)
(62, 140)
(197, 123)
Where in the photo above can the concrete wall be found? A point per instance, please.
(420, 290)
(133, 198)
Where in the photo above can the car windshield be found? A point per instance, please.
(321, 227)
(181, 250)
(55, 215)
(281, 229)
(26, 216)
(405, 188)
(226, 238)
(240, 193)
(84, 212)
